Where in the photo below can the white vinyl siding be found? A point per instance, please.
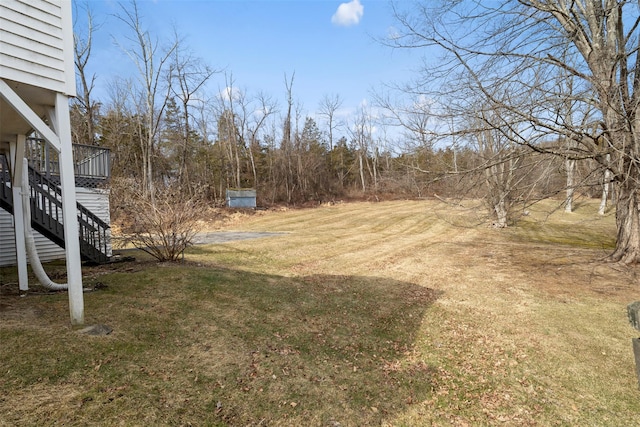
(36, 43)
(97, 201)
(7, 239)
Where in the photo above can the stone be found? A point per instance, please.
(633, 311)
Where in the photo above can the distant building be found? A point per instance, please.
(241, 198)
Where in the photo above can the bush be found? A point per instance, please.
(163, 227)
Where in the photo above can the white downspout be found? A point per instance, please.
(32, 252)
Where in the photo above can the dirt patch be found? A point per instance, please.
(18, 313)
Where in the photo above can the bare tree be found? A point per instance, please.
(262, 107)
(570, 161)
(286, 148)
(243, 118)
(361, 134)
(412, 114)
(118, 130)
(88, 108)
(606, 184)
(522, 44)
(329, 105)
(151, 63)
(229, 136)
(505, 166)
(188, 75)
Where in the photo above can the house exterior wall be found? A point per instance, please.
(36, 44)
(96, 200)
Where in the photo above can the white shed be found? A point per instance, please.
(37, 78)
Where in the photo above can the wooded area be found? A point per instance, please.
(509, 117)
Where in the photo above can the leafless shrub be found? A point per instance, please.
(165, 227)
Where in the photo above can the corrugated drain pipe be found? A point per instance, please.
(30, 242)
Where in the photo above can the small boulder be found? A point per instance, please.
(96, 330)
(633, 311)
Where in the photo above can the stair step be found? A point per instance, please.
(46, 215)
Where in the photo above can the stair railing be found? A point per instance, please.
(6, 196)
(46, 214)
(46, 210)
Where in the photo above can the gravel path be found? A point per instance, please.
(229, 236)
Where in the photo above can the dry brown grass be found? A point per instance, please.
(531, 326)
(523, 326)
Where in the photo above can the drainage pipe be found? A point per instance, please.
(30, 242)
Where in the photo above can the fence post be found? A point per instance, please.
(633, 311)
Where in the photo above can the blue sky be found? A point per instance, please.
(328, 44)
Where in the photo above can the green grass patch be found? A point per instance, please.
(205, 346)
(548, 223)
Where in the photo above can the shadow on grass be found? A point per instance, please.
(212, 346)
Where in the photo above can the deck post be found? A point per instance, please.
(37, 78)
(60, 120)
(16, 150)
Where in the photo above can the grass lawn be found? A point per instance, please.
(394, 313)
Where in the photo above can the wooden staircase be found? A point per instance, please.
(46, 214)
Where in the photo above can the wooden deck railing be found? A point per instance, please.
(92, 164)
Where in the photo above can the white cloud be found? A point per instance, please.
(393, 33)
(348, 14)
(259, 113)
(229, 94)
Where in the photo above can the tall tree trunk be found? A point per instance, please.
(184, 171)
(150, 182)
(502, 214)
(605, 189)
(628, 223)
(571, 168)
(253, 163)
(237, 160)
(498, 192)
(361, 167)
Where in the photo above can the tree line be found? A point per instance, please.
(499, 121)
